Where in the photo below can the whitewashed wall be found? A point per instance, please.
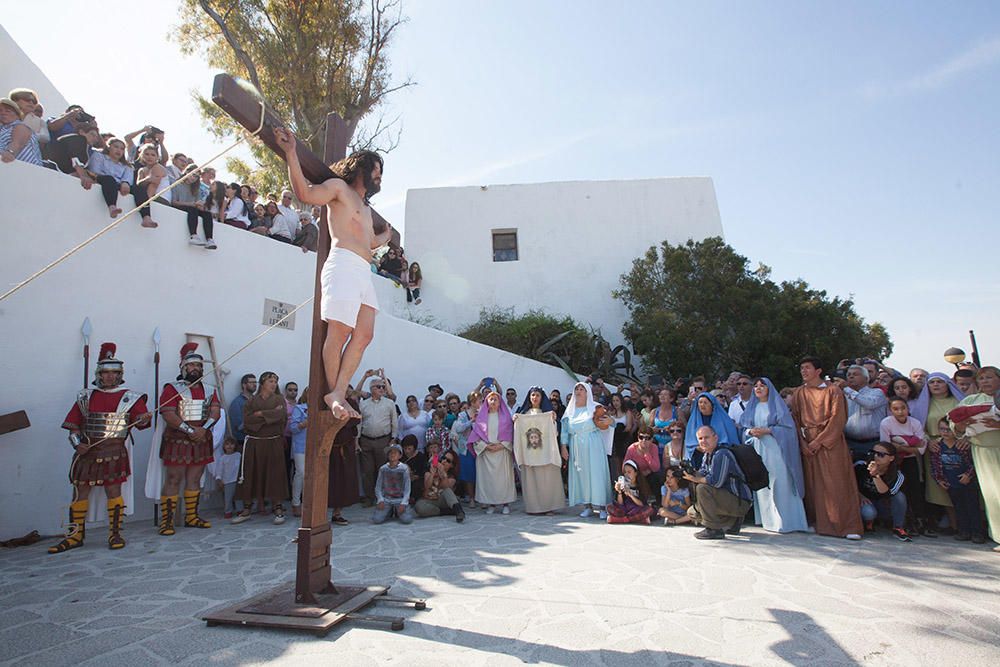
(575, 239)
(133, 280)
(18, 71)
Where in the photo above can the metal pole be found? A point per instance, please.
(86, 330)
(975, 349)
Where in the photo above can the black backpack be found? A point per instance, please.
(751, 465)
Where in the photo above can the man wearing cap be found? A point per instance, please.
(99, 424)
(189, 411)
(379, 424)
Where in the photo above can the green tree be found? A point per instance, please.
(699, 308)
(307, 58)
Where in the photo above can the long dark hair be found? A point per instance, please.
(216, 196)
(358, 163)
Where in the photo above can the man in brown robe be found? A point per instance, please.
(343, 485)
(819, 409)
(263, 473)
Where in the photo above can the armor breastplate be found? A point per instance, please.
(193, 409)
(103, 425)
(190, 409)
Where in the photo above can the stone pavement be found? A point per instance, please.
(516, 589)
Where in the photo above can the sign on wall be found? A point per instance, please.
(275, 310)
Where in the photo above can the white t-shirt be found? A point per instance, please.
(282, 225)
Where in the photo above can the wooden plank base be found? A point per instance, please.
(277, 608)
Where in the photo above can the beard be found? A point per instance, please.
(192, 376)
(371, 187)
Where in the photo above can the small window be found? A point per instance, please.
(504, 245)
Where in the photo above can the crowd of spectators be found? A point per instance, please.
(840, 454)
(139, 165)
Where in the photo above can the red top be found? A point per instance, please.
(170, 398)
(650, 462)
(105, 401)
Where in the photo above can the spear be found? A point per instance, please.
(156, 376)
(86, 330)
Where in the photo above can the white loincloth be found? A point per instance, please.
(346, 285)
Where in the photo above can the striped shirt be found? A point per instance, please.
(30, 153)
(721, 470)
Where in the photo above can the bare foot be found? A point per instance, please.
(339, 406)
(114, 211)
(148, 222)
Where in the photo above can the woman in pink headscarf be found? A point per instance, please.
(493, 439)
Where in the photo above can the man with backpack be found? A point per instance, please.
(719, 489)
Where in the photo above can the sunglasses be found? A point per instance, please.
(645, 437)
(880, 455)
(676, 430)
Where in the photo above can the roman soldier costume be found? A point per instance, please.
(99, 424)
(189, 401)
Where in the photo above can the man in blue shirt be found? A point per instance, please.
(248, 387)
(720, 492)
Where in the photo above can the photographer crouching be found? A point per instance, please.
(721, 495)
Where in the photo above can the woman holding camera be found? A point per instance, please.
(631, 491)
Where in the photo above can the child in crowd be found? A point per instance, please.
(416, 461)
(227, 472)
(392, 489)
(150, 179)
(954, 472)
(881, 487)
(676, 498)
(631, 491)
(415, 280)
(438, 432)
(908, 435)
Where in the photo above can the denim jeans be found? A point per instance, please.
(405, 516)
(883, 507)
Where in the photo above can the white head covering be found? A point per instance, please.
(607, 435)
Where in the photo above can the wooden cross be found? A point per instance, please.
(313, 574)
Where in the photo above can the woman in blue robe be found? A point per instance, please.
(769, 427)
(587, 449)
(708, 411)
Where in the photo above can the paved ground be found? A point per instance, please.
(513, 590)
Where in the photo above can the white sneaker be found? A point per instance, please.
(210, 244)
(603, 516)
(491, 509)
(853, 536)
(587, 512)
(194, 240)
(240, 518)
(279, 519)
(505, 510)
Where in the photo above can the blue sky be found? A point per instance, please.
(852, 144)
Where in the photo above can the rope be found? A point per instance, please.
(121, 218)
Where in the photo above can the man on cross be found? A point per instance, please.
(348, 304)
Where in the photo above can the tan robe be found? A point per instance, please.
(832, 501)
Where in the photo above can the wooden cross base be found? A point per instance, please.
(277, 608)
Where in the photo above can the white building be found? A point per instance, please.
(557, 247)
(134, 280)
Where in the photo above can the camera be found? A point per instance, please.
(622, 483)
(84, 117)
(686, 468)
